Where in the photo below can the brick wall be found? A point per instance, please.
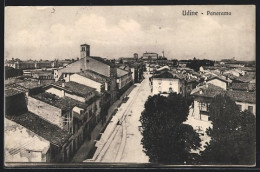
(45, 111)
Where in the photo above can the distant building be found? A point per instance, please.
(135, 56)
(30, 64)
(150, 56)
(137, 70)
(124, 80)
(125, 60)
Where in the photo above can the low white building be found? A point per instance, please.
(166, 82)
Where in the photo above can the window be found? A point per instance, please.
(160, 89)
(204, 107)
(250, 108)
(239, 107)
(160, 81)
(170, 90)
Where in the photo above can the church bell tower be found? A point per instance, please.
(84, 50)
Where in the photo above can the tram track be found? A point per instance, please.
(100, 156)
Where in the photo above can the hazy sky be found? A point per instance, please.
(112, 32)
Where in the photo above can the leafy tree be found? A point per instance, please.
(195, 64)
(232, 135)
(165, 138)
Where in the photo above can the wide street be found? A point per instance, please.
(121, 141)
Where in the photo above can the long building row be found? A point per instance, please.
(56, 118)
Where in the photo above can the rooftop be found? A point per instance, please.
(121, 72)
(12, 81)
(77, 88)
(41, 127)
(243, 86)
(107, 62)
(29, 84)
(11, 92)
(246, 78)
(222, 78)
(94, 76)
(208, 90)
(64, 103)
(167, 74)
(242, 96)
(211, 91)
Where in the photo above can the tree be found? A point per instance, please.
(165, 138)
(232, 136)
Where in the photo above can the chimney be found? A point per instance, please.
(63, 83)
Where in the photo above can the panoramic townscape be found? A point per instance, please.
(148, 107)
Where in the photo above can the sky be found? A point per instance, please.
(49, 32)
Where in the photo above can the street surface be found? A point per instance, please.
(201, 127)
(122, 143)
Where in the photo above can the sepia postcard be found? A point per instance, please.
(130, 86)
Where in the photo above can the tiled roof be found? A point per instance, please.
(243, 86)
(242, 96)
(208, 90)
(107, 62)
(239, 86)
(26, 85)
(212, 90)
(11, 91)
(230, 75)
(77, 88)
(64, 103)
(41, 127)
(252, 87)
(94, 76)
(12, 81)
(121, 72)
(222, 78)
(246, 78)
(252, 69)
(29, 84)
